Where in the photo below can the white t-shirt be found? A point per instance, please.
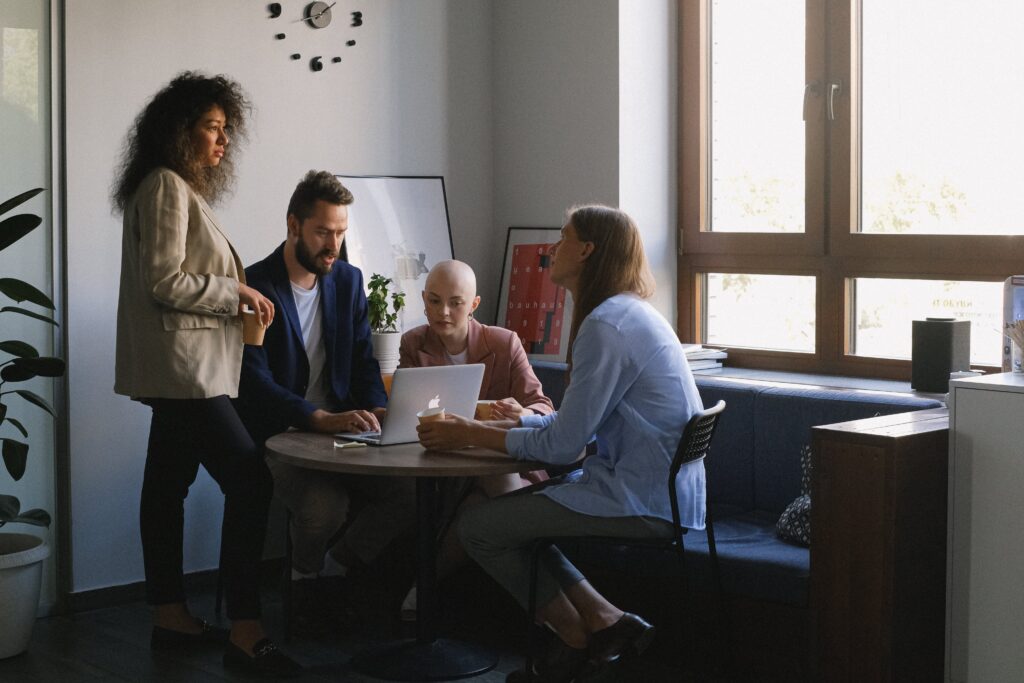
(458, 358)
(307, 304)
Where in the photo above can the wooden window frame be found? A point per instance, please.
(830, 248)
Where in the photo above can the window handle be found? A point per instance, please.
(833, 90)
(809, 89)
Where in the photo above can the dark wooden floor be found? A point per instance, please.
(112, 644)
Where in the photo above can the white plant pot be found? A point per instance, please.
(385, 350)
(21, 575)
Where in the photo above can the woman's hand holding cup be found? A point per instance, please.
(447, 432)
(259, 304)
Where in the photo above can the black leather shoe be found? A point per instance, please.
(629, 636)
(560, 664)
(166, 639)
(266, 661)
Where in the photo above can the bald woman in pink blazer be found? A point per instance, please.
(507, 371)
(451, 336)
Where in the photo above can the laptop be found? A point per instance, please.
(453, 387)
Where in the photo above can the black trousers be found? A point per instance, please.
(184, 434)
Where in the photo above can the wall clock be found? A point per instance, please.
(313, 16)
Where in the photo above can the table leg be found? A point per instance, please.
(426, 657)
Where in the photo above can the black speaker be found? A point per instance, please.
(940, 346)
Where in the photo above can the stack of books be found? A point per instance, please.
(703, 357)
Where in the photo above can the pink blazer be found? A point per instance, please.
(507, 370)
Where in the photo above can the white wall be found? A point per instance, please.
(412, 98)
(647, 135)
(556, 117)
(584, 111)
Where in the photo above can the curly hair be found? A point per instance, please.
(161, 136)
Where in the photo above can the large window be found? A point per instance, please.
(847, 167)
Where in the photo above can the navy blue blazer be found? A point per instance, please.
(275, 376)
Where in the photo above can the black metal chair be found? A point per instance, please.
(693, 446)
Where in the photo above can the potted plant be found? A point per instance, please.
(21, 555)
(384, 325)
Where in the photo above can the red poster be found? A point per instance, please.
(535, 304)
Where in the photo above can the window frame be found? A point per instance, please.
(829, 248)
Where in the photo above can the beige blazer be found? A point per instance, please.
(178, 331)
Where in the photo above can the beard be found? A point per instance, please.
(307, 260)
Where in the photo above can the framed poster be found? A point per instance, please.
(529, 303)
(398, 226)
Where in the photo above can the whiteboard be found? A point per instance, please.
(398, 226)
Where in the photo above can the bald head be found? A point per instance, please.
(452, 277)
(449, 299)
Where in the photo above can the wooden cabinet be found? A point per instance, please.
(878, 547)
(985, 619)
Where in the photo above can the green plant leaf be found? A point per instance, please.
(19, 199)
(44, 366)
(34, 517)
(14, 228)
(15, 457)
(20, 427)
(18, 348)
(23, 291)
(9, 508)
(12, 373)
(35, 398)
(31, 314)
(21, 369)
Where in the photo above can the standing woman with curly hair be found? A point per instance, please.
(179, 351)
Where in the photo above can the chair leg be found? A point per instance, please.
(724, 619)
(687, 628)
(531, 644)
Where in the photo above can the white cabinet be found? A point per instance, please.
(985, 563)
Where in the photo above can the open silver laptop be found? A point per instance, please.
(453, 387)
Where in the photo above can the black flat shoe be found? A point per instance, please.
(166, 639)
(629, 636)
(267, 661)
(560, 664)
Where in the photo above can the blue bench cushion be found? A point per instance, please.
(753, 474)
(754, 562)
(730, 462)
(783, 418)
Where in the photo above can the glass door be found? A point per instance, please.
(26, 151)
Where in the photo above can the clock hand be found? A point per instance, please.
(323, 11)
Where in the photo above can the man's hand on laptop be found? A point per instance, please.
(350, 421)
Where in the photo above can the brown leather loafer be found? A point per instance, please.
(629, 636)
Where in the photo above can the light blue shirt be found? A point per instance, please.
(632, 387)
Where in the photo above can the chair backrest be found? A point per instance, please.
(693, 446)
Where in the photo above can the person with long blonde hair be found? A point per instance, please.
(630, 386)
